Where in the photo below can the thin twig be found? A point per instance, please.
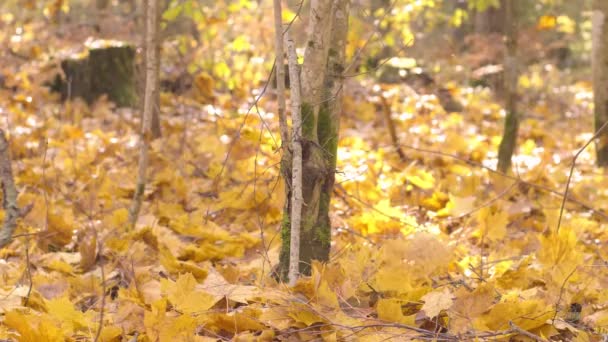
(561, 210)
(28, 269)
(561, 293)
(103, 294)
(528, 334)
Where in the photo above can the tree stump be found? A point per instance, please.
(106, 68)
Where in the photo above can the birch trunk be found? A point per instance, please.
(599, 61)
(155, 121)
(296, 166)
(321, 85)
(509, 138)
(280, 72)
(149, 106)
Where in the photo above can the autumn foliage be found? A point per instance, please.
(436, 245)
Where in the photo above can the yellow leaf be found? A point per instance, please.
(326, 296)
(457, 206)
(119, 217)
(390, 310)
(546, 22)
(244, 319)
(561, 250)
(469, 305)
(61, 266)
(217, 286)
(420, 178)
(63, 310)
(32, 328)
(88, 249)
(492, 224)
(526, 314)
(205, 85)
(12, 298)
(437, 301)
(302, 314)
(186, 298)
(110, 333)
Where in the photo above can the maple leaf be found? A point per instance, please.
(457, 206)
(186, 295)
(390, 310)
(437, 301)
(71, 318)
(492, 224)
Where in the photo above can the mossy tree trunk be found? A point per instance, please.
(321, 85)
(599, 63)
(509, 138)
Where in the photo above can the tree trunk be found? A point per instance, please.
(9, 193)
(155, 124)
(509, 138)
(492, 19)
(599, 61)
(149, 107)
(106, 70)
(321, 106)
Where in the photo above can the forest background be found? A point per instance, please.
(469, 200)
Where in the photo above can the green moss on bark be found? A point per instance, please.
(285, 243)
(509, 140)
(308, 120)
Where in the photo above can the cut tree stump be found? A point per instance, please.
(105, 68)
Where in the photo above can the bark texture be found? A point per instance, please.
(321, 85)
(9, 191)
(280, 72)
(509, 138)
(149, 104)
(296, 166)
(492, 19)
(599, 61)
(155, 123)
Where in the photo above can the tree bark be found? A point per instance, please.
(509, 138)
(599, 61)
(9, 191)
(492, 19)
(296, 166)
(146, 135)
(321, 106)
(280, 72)
(155, 128)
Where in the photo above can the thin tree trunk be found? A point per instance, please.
(509, 139)
(296, 165)
(150, 89)
(280, 72)
(155, 123)
(321, 105)
(9, 192)
(599, 61)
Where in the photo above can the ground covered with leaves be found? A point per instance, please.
(435, 245)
